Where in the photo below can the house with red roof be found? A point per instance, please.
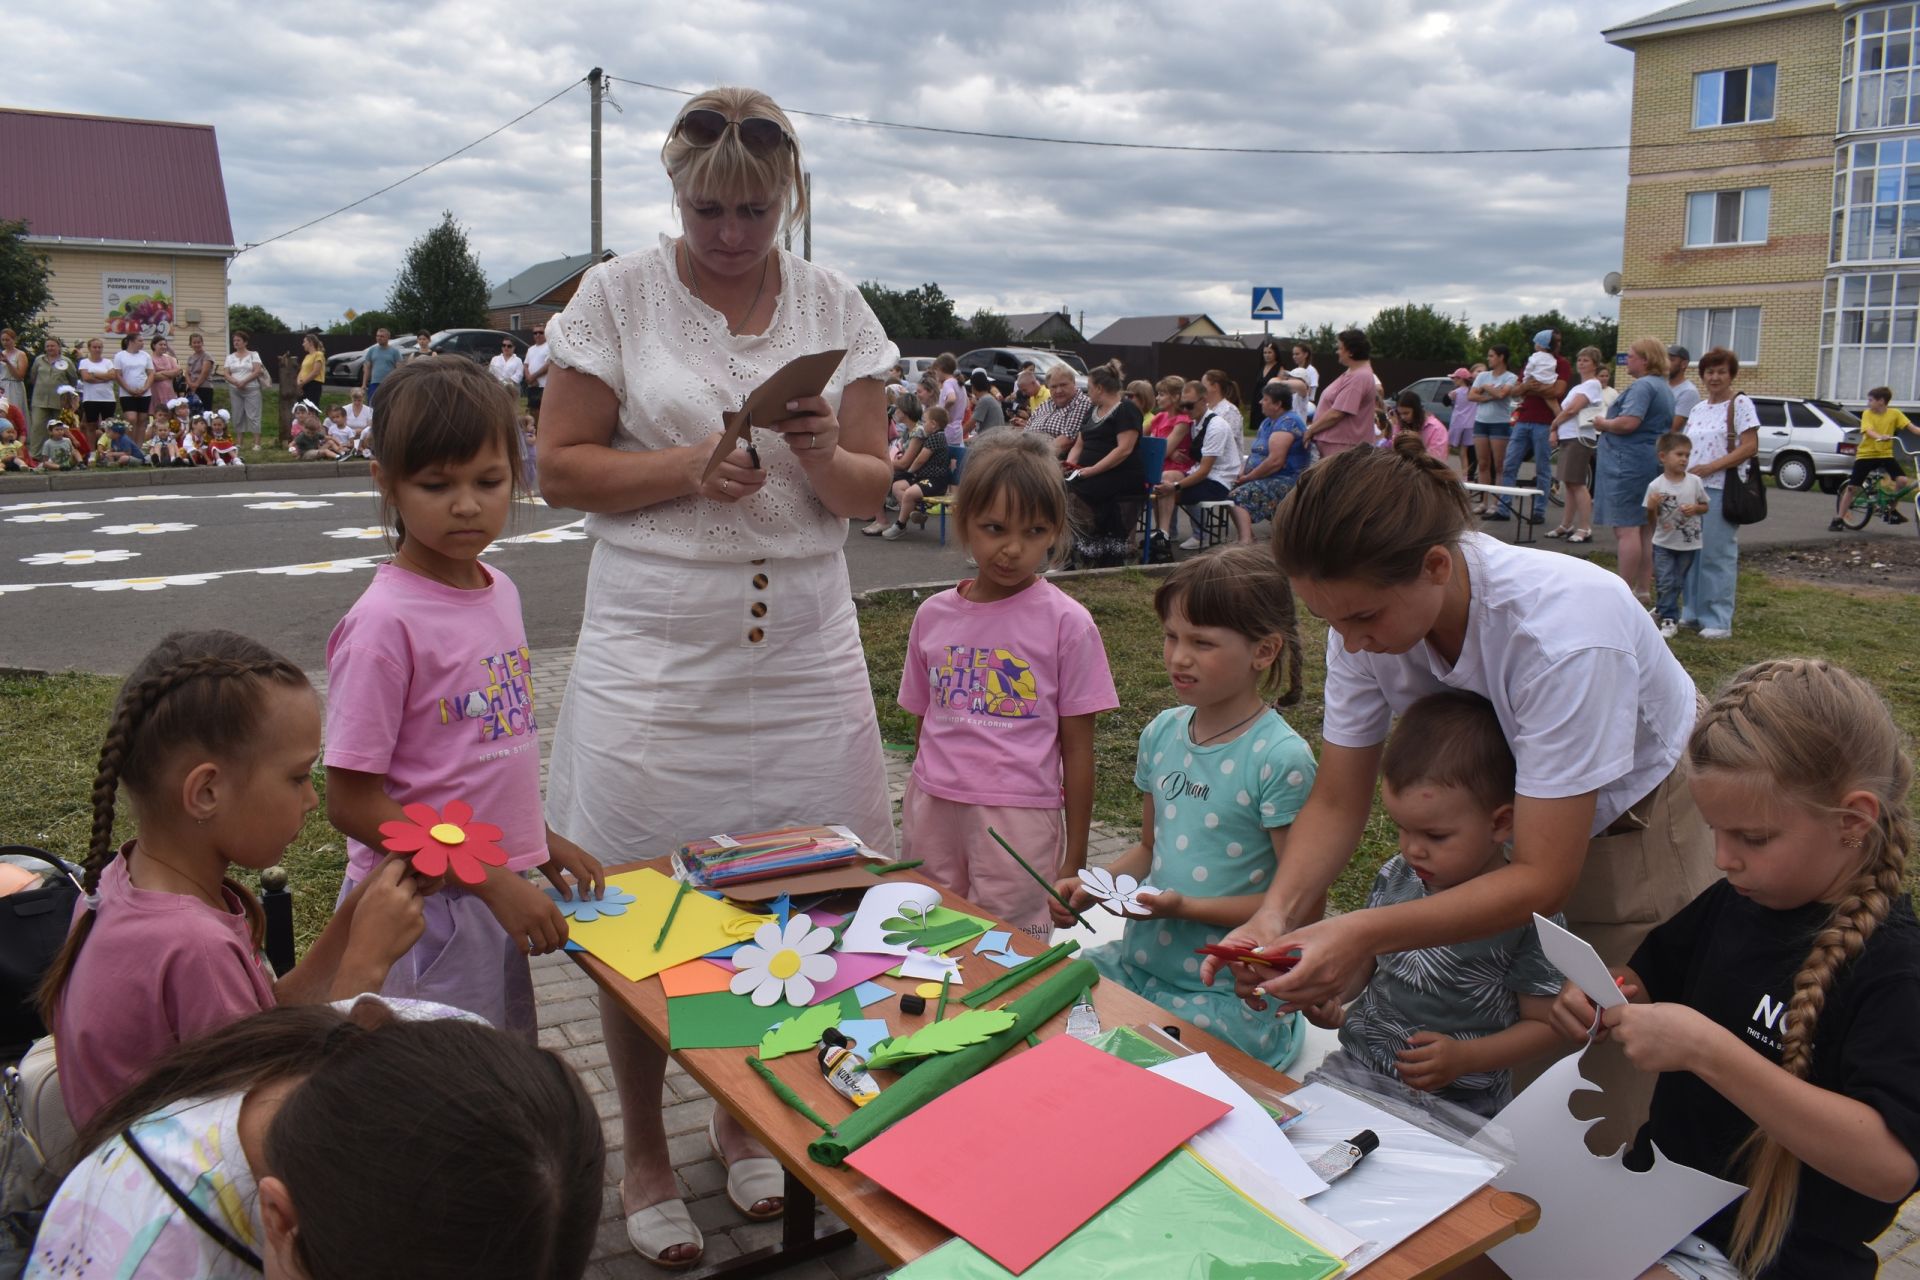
(132, 215)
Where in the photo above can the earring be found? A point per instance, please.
(1852, 842)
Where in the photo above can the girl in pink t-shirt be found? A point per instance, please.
(1006, 673)
(215, 737)
(430, 698)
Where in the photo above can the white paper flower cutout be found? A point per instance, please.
(363, 532)
(146, 527)
(160, 583)
(54, 517)
(318, 566)
(42, 559)
(783, 962)
(291, 505)
(1120, 894)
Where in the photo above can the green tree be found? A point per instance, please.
(25, 288)
(1517, 334)
(244, 315)
(1323, 340)
(440, 285)
(367, 323)
(1416, 331)
(925, 312)
(988, 329)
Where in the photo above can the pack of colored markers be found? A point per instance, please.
(746, 856)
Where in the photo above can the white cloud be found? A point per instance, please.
(319, 105)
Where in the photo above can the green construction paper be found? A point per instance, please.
(1180, 1219)
(801, 1032)
(941, 931)
(1129, 1045)
(934, 1076)
(722, 1020)
(943, 1037)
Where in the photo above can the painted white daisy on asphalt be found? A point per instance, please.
(365, 532)
(565, 533)
(1119, 895)
(303, 504)
(145, 527)
(342, 493)
(108, 556)
(54, 517)
(9, 587)
(160, 583)
(36, 506)
(319, 566)
(784, 963)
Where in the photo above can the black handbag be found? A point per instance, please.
(33, 926)
(1744, 500)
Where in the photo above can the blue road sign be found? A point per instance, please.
(1269, 302)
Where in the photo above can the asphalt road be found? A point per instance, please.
(89, 578)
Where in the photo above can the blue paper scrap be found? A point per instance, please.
(865, 1033)
(873, 993)
(997, 940)
(1007, 959)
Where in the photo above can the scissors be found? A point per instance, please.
(1247, 955)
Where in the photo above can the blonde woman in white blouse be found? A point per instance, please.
(719, 682)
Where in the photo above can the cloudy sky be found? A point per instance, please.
(318, 105)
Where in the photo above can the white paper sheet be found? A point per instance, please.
(1246, 1133)
(926, 968)
(1413, 1177)
(1578, 962)
(1599, 1220)
(880, 904)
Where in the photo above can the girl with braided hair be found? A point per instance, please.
(214, 737)
(1779, 1006)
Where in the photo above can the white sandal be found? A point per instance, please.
(660, 1227)
(750, 1179)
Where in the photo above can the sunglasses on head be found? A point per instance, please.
(704, 127)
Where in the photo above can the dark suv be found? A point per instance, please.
(1003, 364)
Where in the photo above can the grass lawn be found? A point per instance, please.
(54, 723)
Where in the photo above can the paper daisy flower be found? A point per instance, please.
(290, 505)
(446, 842)
(1119, 894)
(784, 963)
(364, 532)
(146, 527)
(613, 902)
(42, 559)
(54, 517)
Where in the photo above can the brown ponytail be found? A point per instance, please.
(1813, 732)
(1241, 589)
(1370, 515)
(1226, 386)
(201, 689)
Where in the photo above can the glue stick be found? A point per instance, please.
(846, 1070)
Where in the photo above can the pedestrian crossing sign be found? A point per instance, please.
(1269, 302)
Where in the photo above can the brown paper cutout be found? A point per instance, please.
(799, 378)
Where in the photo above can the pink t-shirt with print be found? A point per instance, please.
(432, 687)
(1353, 393)
(157, 969)
(991, 683)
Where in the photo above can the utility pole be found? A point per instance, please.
(806, 237)
(597, 87)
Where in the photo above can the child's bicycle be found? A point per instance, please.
(1861, 503)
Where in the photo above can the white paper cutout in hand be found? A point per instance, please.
(1119, 894)
(784, 963)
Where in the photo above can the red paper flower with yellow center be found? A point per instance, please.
(449, 842)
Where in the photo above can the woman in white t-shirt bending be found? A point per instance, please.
(719, 623)
(1573, 428)
(1595, 706)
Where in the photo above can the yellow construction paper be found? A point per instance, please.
(626, 941)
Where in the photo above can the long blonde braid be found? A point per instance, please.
(1815, 732)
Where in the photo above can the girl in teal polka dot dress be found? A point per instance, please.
(1221, 777)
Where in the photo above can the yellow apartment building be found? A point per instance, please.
(1773, 193)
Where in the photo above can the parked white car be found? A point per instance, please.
(1804, 442)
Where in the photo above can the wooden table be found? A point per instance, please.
(900, 1233)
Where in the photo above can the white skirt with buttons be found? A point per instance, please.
(715, 697)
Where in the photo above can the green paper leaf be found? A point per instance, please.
(944, 1037)
(799, 1034)
(929, 936)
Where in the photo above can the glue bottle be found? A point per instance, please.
(846, 1070)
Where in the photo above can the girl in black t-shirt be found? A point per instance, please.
(1782, 1006)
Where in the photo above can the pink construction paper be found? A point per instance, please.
(855, 968)
(1089, 1127)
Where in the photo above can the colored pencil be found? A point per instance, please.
(888, 868)
(940, 1010)
(672, 911)
(1038, 878)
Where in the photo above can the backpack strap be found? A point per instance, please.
(195, 1214)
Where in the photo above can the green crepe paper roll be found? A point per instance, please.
(934, 1076)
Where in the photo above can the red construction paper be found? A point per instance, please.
(1087, 1127)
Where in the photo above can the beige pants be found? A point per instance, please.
(1655, 859)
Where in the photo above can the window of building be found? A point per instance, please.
(1736, 328)
(1737, 95)
(1876, 202)
(513, 321)
(1870, 335)
(1878, 85)
(1728, 217)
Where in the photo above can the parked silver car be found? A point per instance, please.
(1806, 442)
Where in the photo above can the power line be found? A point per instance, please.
(417, 172)
(1238, 151)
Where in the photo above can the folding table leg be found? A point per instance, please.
(797, 1239)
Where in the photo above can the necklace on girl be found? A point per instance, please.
(1215, 737)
